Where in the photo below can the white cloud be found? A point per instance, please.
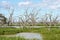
(24, 3)
(50, 4)
(6, 4)
(31, 4)
(54, 6)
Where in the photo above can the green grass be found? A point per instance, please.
(11, 38)
(52, 34)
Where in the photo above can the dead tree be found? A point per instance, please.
(24, 19)
(10, 11)
(21, 21)
(10, 17)
(44, 20)
(26, 16)
(33, 16)
(55, 20)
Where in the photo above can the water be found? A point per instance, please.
(36, 36)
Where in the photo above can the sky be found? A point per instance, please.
(45, 6)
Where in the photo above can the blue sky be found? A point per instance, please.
(46, 6)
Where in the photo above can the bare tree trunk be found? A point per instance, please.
(10, 17)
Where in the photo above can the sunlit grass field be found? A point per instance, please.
(48, 34)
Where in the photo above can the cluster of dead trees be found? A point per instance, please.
(30, 18)
(50, 20)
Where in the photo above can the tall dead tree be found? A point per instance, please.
(10, 17)
(55, 20)
(44, 20)
(23, 19)
(26, 16)
(10, 11)
(33, 16)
